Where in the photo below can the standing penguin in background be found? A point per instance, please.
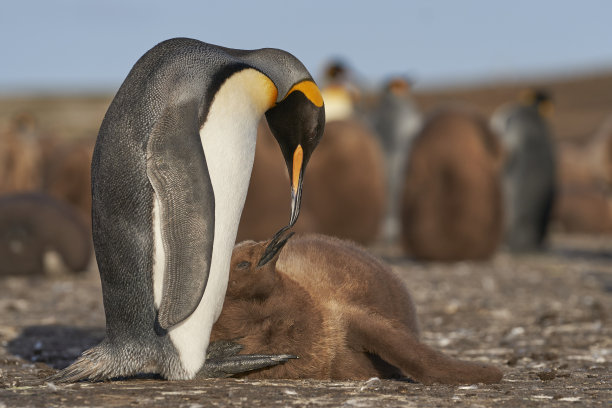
(170, 173)
(397, 121)
(339, 91)
(529, 176)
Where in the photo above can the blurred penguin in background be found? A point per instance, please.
(41, 235)
(583, 203)
(67, 174)
(529, 177)
(33, 160)
(452, 201)
(601, 152)
(20, 155)
(339, 91)
(396, 120)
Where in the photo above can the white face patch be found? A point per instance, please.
(228, 137)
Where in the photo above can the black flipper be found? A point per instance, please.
(177, 170)
(223, 360)
(223, 348)
(242, 363)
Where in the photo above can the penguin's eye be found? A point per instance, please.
(243, 265)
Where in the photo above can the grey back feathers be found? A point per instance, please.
(285, 72)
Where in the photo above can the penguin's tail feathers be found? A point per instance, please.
(95, 364)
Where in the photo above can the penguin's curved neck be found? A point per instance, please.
(228, 138)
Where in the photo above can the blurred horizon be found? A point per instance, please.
(69, 46)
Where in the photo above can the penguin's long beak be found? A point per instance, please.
(297, 174)
(280, 238)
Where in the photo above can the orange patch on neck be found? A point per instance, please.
(310, 90)
(272, 92)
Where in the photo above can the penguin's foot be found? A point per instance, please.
(108, 361)
(94, 364)
(231, 365)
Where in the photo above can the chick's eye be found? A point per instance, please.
(243, 265)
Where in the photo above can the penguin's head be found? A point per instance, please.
(539, 99)
(297, 123)
(399, 86)
(336, 70)
(251, 274)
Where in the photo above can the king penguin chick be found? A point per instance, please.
(32, 225)
(348, 176)
(341, 310)
(451, 208)
(20, 156)
(529, 176)
(170, 172)
(67, 174)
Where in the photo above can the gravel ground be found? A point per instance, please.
(544, 319)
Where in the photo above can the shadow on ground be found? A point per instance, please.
(583, 254)
(55, 345)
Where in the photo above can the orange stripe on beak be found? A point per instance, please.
(298, 157)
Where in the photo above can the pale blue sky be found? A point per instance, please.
(86, 44)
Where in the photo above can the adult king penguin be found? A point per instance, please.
(170, 173)
(530, 170)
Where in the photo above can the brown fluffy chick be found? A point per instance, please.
(452, 204)
(33, 224)
(341, 310)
